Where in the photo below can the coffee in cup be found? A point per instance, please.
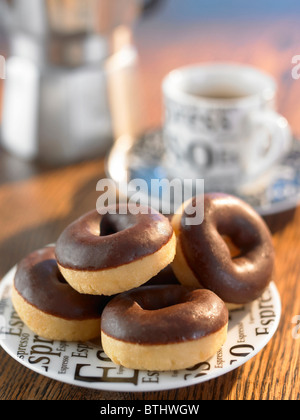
(221, 124)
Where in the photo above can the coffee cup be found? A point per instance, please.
(221, 125)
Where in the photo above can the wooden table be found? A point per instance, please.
(38, 202)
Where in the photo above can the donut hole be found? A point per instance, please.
(60, 278)
(111, 224)
(238, 234)
(234, 250)
(153, 302)
(154, 306)
(49, 269)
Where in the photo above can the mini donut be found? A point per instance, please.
(230, 252)
(165, 327)
(111, 253)
(49, 306)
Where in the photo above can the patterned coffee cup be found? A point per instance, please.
(221, 124)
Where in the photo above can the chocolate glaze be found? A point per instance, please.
(163, 314)
(95, 242)
(39, 282)
(236, 280)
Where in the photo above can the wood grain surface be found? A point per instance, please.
(36, 203)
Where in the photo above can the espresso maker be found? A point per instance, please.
(64, 59)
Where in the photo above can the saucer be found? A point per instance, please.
(143, 159)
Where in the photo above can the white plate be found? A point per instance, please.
(86, 365)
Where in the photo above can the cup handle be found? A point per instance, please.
(272, 145)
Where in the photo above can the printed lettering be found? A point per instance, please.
(240, 350)
(104, 377)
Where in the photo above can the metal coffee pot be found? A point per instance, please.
(56, 104)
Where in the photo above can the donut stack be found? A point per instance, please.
(109, 275)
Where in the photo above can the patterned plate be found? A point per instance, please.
(86, 365)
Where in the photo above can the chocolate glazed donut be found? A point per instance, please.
(239, 279)
(163, 327)
(115, 252)
(49, 305)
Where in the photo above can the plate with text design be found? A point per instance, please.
(85, 364)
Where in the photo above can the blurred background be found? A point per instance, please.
(263, 33)
(64, 97)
